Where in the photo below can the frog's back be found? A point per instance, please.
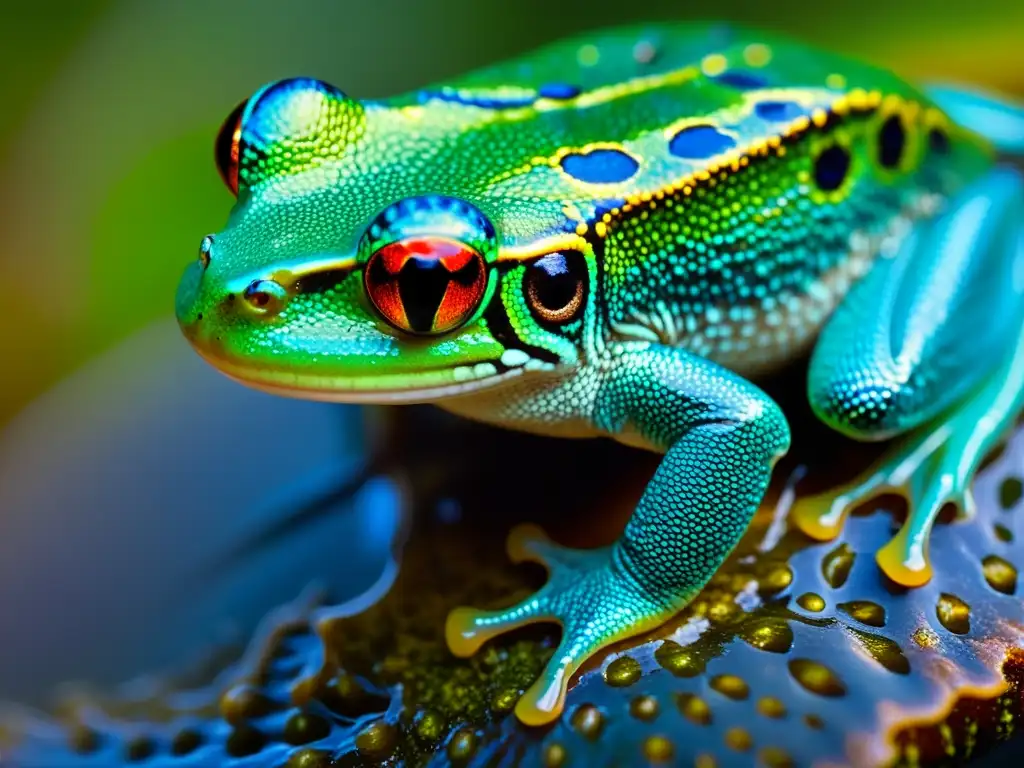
(731, 183)
(734, 183)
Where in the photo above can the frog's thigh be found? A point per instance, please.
(928, 345)
(998, 120)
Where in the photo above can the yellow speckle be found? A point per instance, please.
(600, 229)
(757, 54)
(714, 64)
(644, 708)
(555, 755)
(581, 228)
(588, 55)
(588, 721)
(738, 739)
(769, 706)
(835, 81)
(658, 749)
(820, 117)
(694, 708)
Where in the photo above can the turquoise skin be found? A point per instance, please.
(614, 236)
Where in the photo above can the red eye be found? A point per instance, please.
(426, 285)
(227, 149)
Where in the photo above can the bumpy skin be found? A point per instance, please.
(604, 238)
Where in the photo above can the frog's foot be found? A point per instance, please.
(587, 593)
(931, 469)
(928, 345)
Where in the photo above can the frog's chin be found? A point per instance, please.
(421, 387)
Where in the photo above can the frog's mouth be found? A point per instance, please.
(421, 386)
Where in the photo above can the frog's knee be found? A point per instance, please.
(862, 404)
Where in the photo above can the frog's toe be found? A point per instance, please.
(905, 558)
(594, 603)
(822, 515)
(929, 472)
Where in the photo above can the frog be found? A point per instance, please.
(622, 234)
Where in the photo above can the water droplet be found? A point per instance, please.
(1010, 492)
(730, 686)
(816, 677)
(644, 708)
(738, 739)
(555, 755)
(772, 635)
(864, 611)
(463, 745)
(836, 565)
(694, 708)
(678, 660)
(624, 671)
(769, 706)
(377, 740)
(588, 721)
(1000, 574)
(883, 650)
(809, 601)
(658, 749)
(954, 614)
(775, 757)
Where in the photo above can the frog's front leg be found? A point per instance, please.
(721, 436)
(930, 347)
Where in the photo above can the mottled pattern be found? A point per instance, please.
(796, 652)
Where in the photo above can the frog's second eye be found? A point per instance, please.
(227, 149)
(556, 286)
(426, 285)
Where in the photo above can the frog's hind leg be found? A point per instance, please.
(929, 346)
(999, 121)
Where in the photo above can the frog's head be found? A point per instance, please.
(362, 263)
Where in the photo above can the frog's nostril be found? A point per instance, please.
(205, 247)
(265, 296)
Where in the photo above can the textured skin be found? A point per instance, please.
(643, 220)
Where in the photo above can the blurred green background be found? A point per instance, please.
(110, 108)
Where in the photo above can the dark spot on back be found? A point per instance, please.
(892, 139)
(600, 166)
(700, 141)
(831, 167)
(938, 141)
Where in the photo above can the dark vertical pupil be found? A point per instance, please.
(831, 167)
(422, 284)
(892, 139)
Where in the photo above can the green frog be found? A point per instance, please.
(619, 235)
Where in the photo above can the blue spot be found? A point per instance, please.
(482, 100)
(779, 111)
(600, 166)
(743, 81)
(560, 91)
(700, 141)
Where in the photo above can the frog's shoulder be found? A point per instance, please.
(735, 57)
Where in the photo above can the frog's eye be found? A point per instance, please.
(286, 127)
(426, 285)
(227, 149)
(556, 286)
